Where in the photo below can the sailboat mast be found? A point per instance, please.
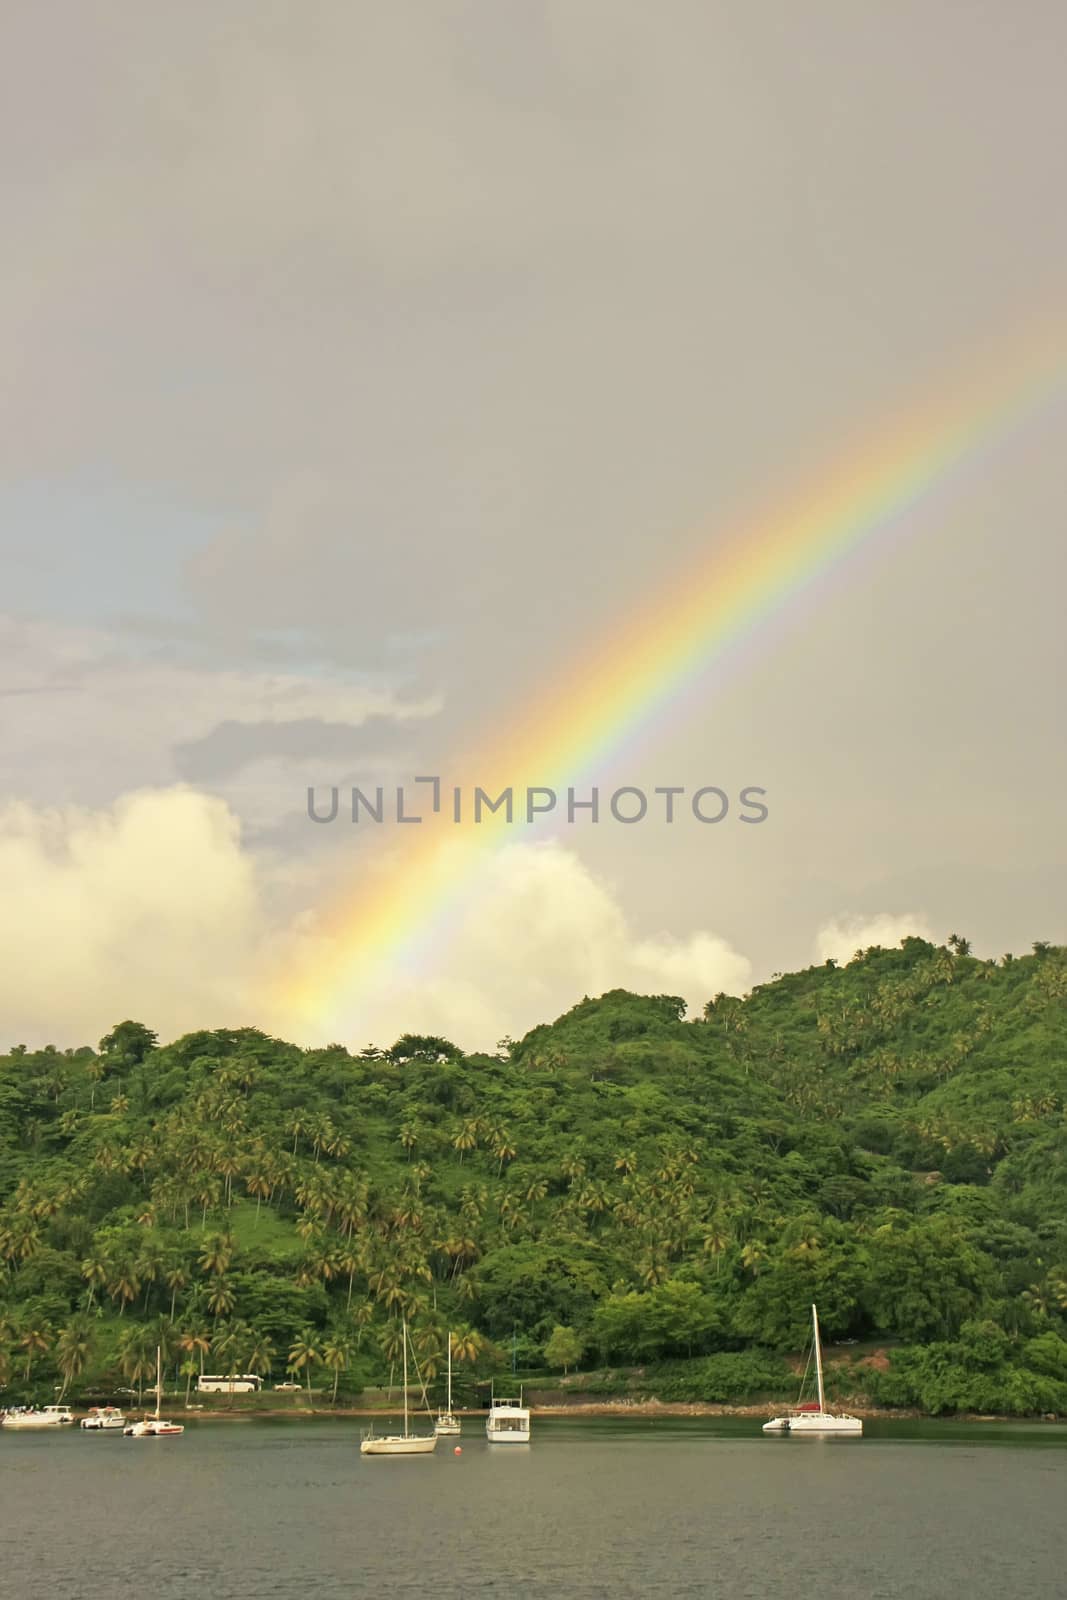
(405, 1331)
(818, 1357)
(159, 1381)
(450, 1373)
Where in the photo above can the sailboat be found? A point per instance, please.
(447, 1421)
(812, 1417)
(155, 1426)
(400, 1444)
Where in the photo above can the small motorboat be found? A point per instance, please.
(104, 1419)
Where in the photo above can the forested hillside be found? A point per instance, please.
(620, 1187)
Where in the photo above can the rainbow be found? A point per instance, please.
(616, 691)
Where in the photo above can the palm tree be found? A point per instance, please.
(303, 1355)
(349, 1259)
(221, 1298)
(175, 1276)
(216, 1253)
(34, 1340)
(136, 1356)
(753, 1256)
(260, 1353)
(467, 1344)
(124, 1284)
(335, 1354)
(74, 1349)
(362, 1317)
(196, 1343)
(257, 1182)
(502, 1147)
(188, 1372)
(716, 1241)
(465, 1138)
(96, 1270)
(391, 1341)
(227, 1337)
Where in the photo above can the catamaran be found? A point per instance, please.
(400, 1444)
(508, 1421)
(155, 1426)
(812, 1417)
(447, 1421)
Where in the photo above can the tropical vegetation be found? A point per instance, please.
(624, 1186)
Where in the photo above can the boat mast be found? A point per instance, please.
(450, 1372)
(818, 1357)
(405, 1331)
(159, 1381)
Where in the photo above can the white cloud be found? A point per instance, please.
(539, 933)
(841, 937)
(153, 908)
(148, 909)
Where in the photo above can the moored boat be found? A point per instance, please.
(811, 1417)
(103, 1419)
(400, 1444)
(155, 1426)
(508, 1421)
(38, 1417)
(447, 1422)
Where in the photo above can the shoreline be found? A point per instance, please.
(596, 1409)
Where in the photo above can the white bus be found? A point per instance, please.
(235, 1383)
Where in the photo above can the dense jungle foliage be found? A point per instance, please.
(620, 1187)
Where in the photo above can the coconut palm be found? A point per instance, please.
(221, 1298)
(176, 1277)
(216, 1253)
(467, 1344)
(137, 1356)
(195, 1342)
(34, 1339)
(95, 1269)
(335, 1354)
(260, 1353)
(465, 1138)
(303, 1355)
(123, 1284)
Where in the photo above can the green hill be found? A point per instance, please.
(887, 1138)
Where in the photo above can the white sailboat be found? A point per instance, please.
(400, 1444)
(447, 1421)
(508, 1421)
(155, 1426)
(812, 1417)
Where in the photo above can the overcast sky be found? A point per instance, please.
(364, 361)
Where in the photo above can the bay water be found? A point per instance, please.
(591, 1508)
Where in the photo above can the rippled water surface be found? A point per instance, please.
(645, 1508)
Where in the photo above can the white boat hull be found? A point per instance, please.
(399, 1445)
(824, 1422)
(512, 1430)
(153, 1429)
(814, 1424)
(113, 1424)
(447, 1427)
(35, 1419)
